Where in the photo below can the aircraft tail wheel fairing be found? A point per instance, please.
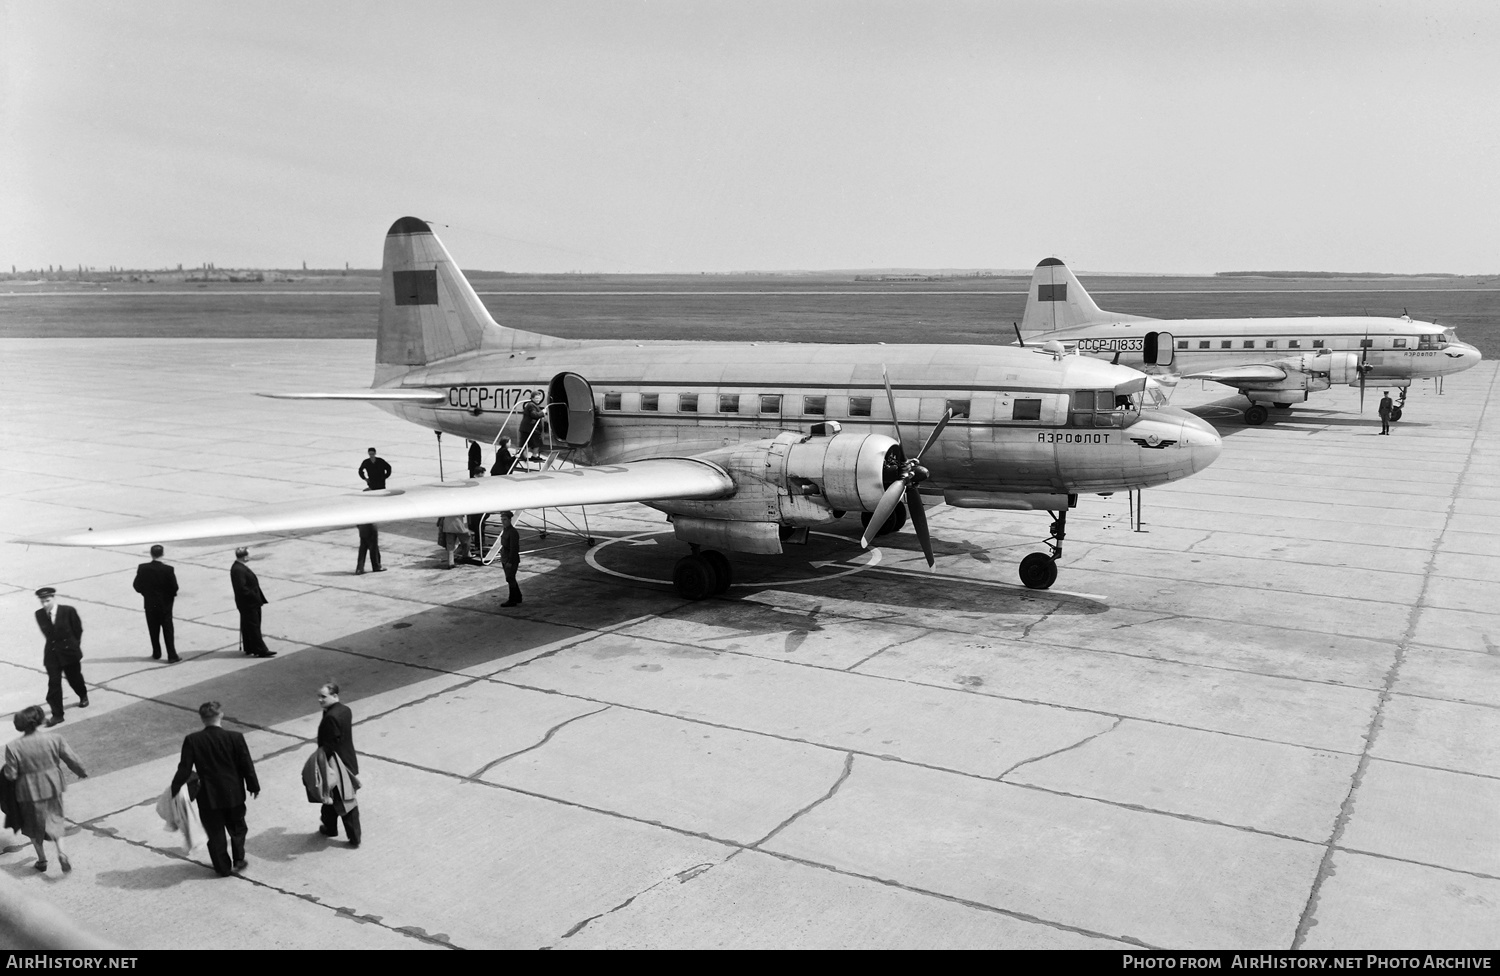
(1395, 413)
(1038, 571)
(1256, 415)
(694, 578)
(722, 570)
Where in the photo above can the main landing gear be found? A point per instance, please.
(1039, 570)
(703, 574)
(1256, 415)
(1396, 408)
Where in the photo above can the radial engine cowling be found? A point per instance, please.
(851, 470)
(798, 479)
(1339, 367)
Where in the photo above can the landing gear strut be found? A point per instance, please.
(702, 574)
(1396, 410)
(1039, 570)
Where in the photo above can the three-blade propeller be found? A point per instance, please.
(905, 484)
(1364, 368)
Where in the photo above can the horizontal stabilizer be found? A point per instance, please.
(655, 479)
(369, 396)
(1232, 375)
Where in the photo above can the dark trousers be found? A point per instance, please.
(54, 685)
(1385, 424)
(215, 823)
(159, 625)
(250, 631)
(369, 546)
(510, 580)
(331, 815)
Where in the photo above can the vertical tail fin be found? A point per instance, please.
(1058, 301)
(428, 311)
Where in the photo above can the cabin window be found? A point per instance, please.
(1317, 343)
(770, 403)
(1425, 342)
(1026, 410)
(960, 408)
(687, 402)
(1400, 344)
(1366, 343)
(1294, 344)
(1096, 408)
(859, 406)
(1270, 343)
(1249, 343)
(815, 405)
(612, 401)
(650, 401)
(1181, 343)
(1226, 344)
(729, 403)
(1203, 344)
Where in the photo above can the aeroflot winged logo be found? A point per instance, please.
(1153, 441)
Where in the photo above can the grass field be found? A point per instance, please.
(805, 308)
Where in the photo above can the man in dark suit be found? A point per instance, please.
(373, 470)
(248, 599)
(510, 557)
(63, 653)
(156, 582)
(369, 544)
(225, 773)
(336, 738)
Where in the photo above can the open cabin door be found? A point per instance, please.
(570, 409)
(1158, 350)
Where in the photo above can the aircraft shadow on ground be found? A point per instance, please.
(1228, 417)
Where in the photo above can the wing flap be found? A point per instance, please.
(655, 479)
(1258, 373)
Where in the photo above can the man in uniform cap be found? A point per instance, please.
(63, 654)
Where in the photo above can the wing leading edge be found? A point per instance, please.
(655, 479)
(1262, 373)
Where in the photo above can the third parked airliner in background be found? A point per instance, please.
(1269, 360)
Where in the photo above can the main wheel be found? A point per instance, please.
(1038, 571)
(1395, 413)
(722, 569)
(694, 577)
(1256, 415)
(895, 523)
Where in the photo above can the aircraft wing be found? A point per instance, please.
(1232, 375)
(654, 479)
(372, 396)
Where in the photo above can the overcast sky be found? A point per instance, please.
(1186, 136)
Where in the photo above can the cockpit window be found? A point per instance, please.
(1098, 408)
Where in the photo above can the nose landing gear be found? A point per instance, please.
(1039, 570)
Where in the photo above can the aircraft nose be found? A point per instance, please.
(1203, 442)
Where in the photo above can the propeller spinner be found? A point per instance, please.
(905, 484)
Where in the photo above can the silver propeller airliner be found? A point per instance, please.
(744, 445)
(1275, 361)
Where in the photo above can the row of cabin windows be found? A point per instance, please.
(770, 403)
(1090, 408)
(1424, 342)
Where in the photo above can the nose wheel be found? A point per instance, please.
(1039, 570)
(1256, 415)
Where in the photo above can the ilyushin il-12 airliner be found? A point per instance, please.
(1269, 360)
(744, 445)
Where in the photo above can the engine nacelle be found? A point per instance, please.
(1339, 367)
(798, 479)
(851, 470)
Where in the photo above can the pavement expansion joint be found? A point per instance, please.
(853, 668)
(1377, 720)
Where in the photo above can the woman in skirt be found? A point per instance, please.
(34, 762)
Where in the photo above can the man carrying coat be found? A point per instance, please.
(63, 653)
(336, 743)
(225, 773)
(156, 582)
(248, 599)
